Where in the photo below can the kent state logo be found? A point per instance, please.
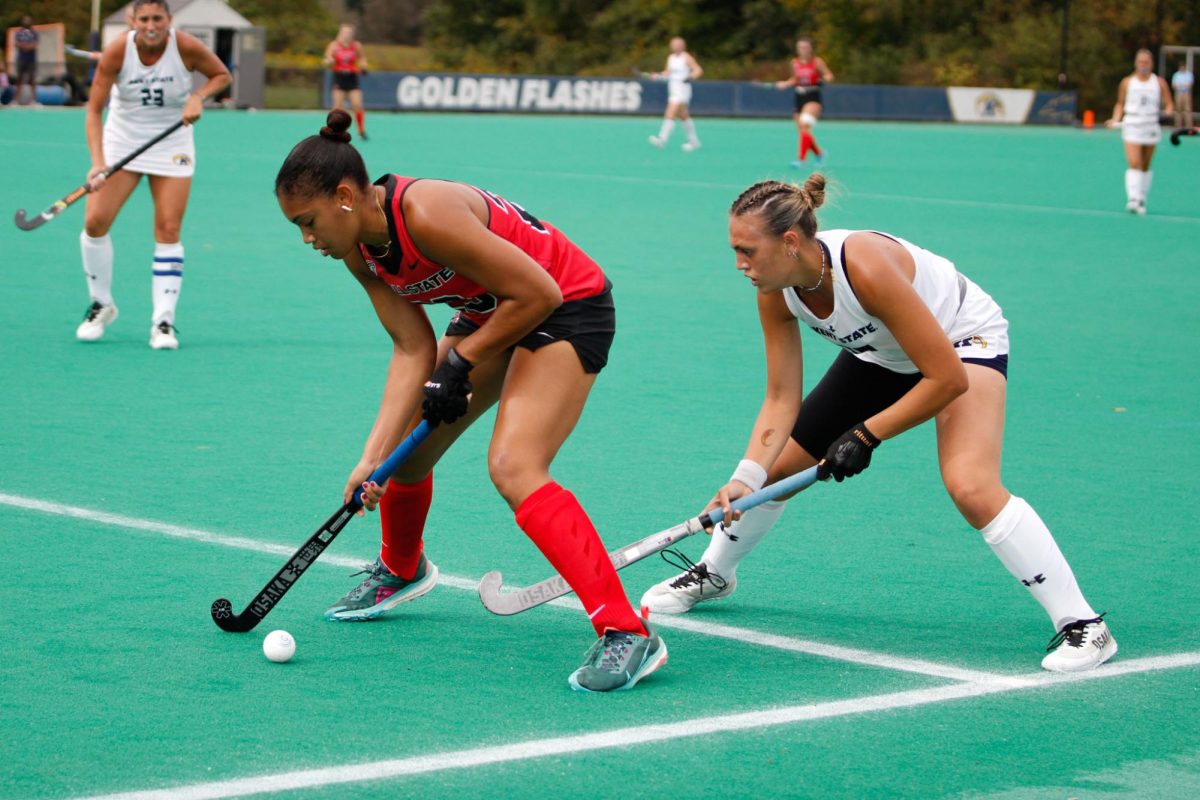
(989, 105)
(182, 160)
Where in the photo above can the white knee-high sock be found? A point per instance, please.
(728, 547)
(1024, 545)
(167, 280)
(98, 266)
(689, 127)
(664, 132)
(1133, 185)
(1147, 177)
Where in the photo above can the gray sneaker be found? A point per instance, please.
(618, 660)
(383, 591)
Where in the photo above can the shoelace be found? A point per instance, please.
(1073, 633)
(693, 573)
(92, 313)
(166, 327)
(614, 651)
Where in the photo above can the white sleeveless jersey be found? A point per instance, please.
(1142, 100)
(147, 100)
(971, 319)
(678, 70)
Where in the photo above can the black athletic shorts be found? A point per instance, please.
(852, 391)
(803, 96)
(589, 324)
(346, 81)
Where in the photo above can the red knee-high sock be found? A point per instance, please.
(358, 117)
(812, 144)
(402, 513)
(806, 144)
(560, 528)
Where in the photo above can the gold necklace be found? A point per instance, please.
(387, 248)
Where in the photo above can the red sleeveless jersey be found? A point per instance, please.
(345, 57)
(423, 281)
(806, 72)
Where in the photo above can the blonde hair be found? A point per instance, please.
(783, 206)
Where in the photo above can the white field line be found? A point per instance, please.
(865, 657)
(845, 195)
(641, 734)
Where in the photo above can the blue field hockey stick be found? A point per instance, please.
(547, 590)
(302, 559)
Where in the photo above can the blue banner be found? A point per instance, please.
(556, 94)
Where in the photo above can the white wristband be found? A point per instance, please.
(750, 473)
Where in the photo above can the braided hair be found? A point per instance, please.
(783, 206)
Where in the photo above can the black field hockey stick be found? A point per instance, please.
(1181, 132)
(549, 589)
(60, 206)
(302, 559)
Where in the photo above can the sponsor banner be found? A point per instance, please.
(549, 94)
(977, 104)
(523, 93)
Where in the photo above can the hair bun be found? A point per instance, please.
(814, 187)
(337, 126)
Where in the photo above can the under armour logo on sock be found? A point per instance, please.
(1039, 578)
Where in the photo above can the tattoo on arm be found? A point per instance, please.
(765, 439)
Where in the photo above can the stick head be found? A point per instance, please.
(489, 586)
(27, 224)
(222, 614)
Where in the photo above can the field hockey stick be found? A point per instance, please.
(547, 590)
(302, 559)
(646, 76)
(71, 50)
(1180, 132)
(60, 206)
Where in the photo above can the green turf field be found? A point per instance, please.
(875, 647)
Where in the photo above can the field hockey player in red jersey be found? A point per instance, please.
(533, 327)
(345, 58)
(809, 73)
(919, 341)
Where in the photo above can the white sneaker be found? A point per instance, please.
(1132, 206)
(1141, 209)
(694, 585)
(162, 337)
(96, 319)
(657, 141)
(690, 146)
(1080, 646)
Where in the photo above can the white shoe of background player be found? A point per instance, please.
(162, 337)
(96, 319)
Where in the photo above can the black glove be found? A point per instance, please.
(447, 389)
(849, 454)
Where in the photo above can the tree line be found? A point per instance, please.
(1017, 43)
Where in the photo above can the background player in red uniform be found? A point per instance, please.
(808, 73)
(534, 324)
(345, 57)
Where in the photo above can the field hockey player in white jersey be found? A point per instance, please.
(680, 71)
(145, 79)
(1141, 96)
(920, 341)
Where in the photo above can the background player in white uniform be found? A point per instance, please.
(681, 70)
(1140, 98)
(148, 73)
(920, 341)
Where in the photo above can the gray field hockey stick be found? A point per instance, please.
(545, 591)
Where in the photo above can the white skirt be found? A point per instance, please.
(1139, 131)
(679, 92)
(173, 157)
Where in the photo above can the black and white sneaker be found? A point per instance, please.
(162, 336)
(695, 584)
(95, 320)
(1081, 645)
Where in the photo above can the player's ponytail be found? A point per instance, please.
(783, 206)
(318, 164)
